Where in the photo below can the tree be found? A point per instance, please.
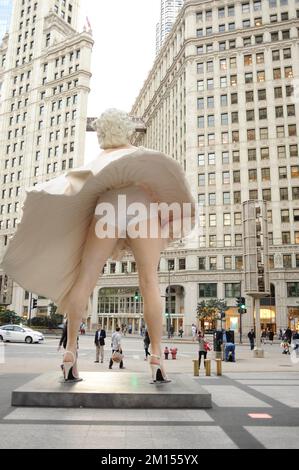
(211, 311)
(55, 318)
(8, 316)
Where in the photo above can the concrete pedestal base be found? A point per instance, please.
(259, 353)
(112, 390)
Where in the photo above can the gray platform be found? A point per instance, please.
(112, 390)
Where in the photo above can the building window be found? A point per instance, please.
(287, 261)
(212, 241)
(202, 264)
(277, 74)
(295, 193)
(171, 265)
(239, 262)
(210, 290)
(286, 238)
(212, 199)
(228, 263)
(237, 176)
(295, 171)
(267, 194)
(237, 197)
(277, 92)
(227, 220)
(252, 175)
(227, 240)
(212, 220)
(253, 194)
(293, 289)
(182, 264)
(284, 194)
(292, 130)
(213, 263)
(285, 216)
(280, 131)
(265, 174)
(238, 218)
(232, 290)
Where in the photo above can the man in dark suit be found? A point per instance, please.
(99, 342)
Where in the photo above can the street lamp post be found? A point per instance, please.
(30, 309)
(169, 304)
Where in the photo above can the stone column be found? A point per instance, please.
(17, 304)
(190, 301)
(281, 301)
(94, 308)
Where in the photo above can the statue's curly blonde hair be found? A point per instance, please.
(114, 128)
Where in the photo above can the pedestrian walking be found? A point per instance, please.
(146, 342)
(271, 337)
(116, 348)
(296, 341)
(288, 335)
(263, 337)
(194, 331)
(63, 339)
(181, 332)
(251, 336)
(280, 334)
(99, 341)
(203, 350)
(286, 346)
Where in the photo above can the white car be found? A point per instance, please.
(20, 334)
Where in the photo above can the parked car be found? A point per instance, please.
(20, 334)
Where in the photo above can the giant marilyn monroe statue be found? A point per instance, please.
(72, 224)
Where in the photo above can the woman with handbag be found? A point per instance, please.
(203, 347)
(117, 353)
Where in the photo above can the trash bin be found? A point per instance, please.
(217, 343)
(230, 352)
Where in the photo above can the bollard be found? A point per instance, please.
(219, 366)
(196, 367)
(208, 367)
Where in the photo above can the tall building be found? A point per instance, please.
(222, 99)
(168, 15)
(45, 74)
(5, 16)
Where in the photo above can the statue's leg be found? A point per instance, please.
(147, 253)
(95, 254)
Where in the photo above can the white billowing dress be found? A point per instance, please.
(45, 253)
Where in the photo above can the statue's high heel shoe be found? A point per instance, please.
(68, 369)
(158, 373)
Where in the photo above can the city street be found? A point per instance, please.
(255, 403)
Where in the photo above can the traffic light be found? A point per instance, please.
(241, 304)
(34, 303)
(136, 296)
